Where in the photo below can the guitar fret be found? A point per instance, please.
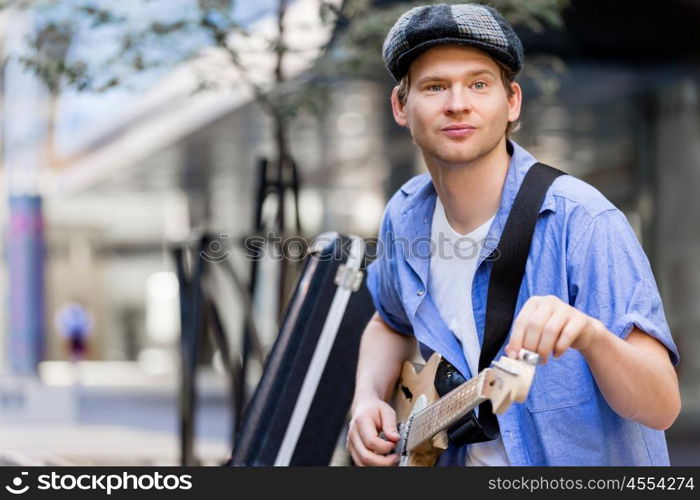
(442, 413)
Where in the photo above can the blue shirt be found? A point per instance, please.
(585, 253)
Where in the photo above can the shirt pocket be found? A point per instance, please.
(561, 383)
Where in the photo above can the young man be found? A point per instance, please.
(588, 304)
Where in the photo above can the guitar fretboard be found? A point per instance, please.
(446, 411)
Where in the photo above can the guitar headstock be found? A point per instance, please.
(509, 380)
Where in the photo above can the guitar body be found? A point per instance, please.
(415, 391)
(424, 416)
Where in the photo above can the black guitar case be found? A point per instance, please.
(300, 405)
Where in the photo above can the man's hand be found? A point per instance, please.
(546, 324)
(364, 444)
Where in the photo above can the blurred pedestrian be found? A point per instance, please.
(74, 325)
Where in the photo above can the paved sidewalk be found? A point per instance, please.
(116, 416)
(70, 444)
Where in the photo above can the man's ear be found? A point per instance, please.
(397, 108)
(514, 102)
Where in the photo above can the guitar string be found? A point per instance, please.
(429, 422)
(442, 413)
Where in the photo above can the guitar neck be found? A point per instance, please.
(446, 411)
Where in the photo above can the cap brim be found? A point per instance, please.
(404, 60)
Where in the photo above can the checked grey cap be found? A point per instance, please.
(474, 25)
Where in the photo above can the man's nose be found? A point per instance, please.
(457, 100)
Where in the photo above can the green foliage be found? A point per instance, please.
(355, 50)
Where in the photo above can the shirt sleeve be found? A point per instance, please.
(382, 281)
(610, 279)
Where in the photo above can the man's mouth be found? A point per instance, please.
(459, 130)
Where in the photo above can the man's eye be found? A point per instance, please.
(480, 85)
(434, 86)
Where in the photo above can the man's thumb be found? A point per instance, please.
(389, 423)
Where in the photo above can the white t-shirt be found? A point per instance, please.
(452, 269)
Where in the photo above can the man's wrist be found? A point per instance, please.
(598, 333)
(362, 397)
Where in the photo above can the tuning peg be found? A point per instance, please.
(531, 358)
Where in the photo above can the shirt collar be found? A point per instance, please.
(418, 207)
(521, 160)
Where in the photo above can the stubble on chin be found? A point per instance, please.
(457, 153)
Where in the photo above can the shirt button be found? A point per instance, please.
(420, 292)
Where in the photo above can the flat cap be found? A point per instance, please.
(473, 25)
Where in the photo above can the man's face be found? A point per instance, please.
(457, 107)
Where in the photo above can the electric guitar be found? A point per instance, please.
(425, 417)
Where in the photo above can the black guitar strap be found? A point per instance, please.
(504, 285)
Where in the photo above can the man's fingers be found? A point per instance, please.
(516, 338)
(367, 431)
(353, 455)
(550, 333)
(388, 416)
(356, 446)
(569, 334)
(535, 324)
(363, 456)
(364, 443)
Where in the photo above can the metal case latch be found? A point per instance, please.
(348, 278)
